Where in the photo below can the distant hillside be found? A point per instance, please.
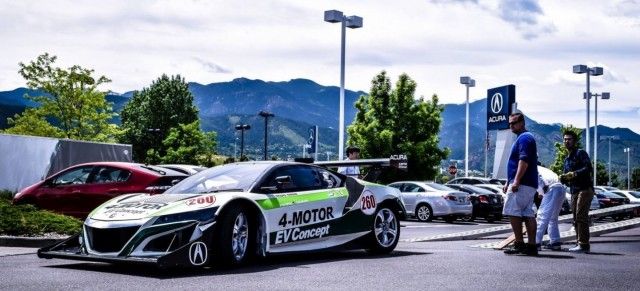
(300, 103)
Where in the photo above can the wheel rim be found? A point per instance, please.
(239, 237)
(386, 227)
(424, 213)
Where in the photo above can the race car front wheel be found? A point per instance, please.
(386, 231)
(233, 242)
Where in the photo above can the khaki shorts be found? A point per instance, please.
(520, 204)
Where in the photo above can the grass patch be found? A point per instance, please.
(27, 220)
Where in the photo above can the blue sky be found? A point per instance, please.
(531, 44)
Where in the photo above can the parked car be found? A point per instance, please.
(476, 180)
(425, 201)
(486, 204)
(497, 189)
(633, 196)
(604, 188)
(185, 169)
(229, 214)
(609, 199)
(79, 189)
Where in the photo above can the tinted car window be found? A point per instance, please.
(303, 178)
(635, 194)
(106, 174)
(74, 176)
(409, 188)
(239, 177)
(329, 180)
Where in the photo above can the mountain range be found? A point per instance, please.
(300, 103)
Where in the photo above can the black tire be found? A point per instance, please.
(386, 231)
(468, 218)
(424, 213)
(225, 252)
(491, 220)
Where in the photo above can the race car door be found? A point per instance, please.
(303, 201)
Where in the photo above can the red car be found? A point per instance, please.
(79, 189)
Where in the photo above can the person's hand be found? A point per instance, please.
(515, 186)
(570, 176)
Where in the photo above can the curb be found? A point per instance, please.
(27, 242)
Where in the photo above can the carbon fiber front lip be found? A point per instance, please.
(94, 258)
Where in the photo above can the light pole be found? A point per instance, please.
(266, 116)
(609, 166)
(467, 82)
(604, 96)
(628, 151)
(353, 21)
(595, 71)
(242, 128)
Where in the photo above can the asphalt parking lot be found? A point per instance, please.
(612, 265)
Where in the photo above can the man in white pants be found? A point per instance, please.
(553, 195)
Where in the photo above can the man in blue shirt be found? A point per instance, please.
(521, 187)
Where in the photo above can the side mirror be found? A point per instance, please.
(280, 182)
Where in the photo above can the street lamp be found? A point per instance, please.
(266, 116)
(242, 128)
(628, 151)
(467, 82)
(609, 138)
(353, 21)
(604, 96)
(595, 71)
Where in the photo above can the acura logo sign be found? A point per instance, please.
(496, 103)
(198, 253)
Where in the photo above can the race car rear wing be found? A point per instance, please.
(376, 165)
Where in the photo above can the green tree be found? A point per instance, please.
(602, 175)
(150, 115)
(187, 144)
(391, 121)
(71, 106)
(561, 151)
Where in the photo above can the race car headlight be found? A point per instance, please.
(203, 216)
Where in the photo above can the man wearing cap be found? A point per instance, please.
(353, 153)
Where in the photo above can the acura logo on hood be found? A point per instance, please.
(198, 253)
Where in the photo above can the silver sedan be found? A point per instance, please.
(425, 200)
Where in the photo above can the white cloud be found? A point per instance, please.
(531, 44)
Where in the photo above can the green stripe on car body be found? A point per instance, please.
(286, 199)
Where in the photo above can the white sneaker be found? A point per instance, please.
(578, 249)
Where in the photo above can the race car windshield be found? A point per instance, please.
(233, 177)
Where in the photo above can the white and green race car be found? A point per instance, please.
(228, 214)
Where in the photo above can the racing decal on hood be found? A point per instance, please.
(198, 253)
(300, 233)
(144, 206)
(201, 201)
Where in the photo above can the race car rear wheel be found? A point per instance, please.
(233, 243)
(386, 231)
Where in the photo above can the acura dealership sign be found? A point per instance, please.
(499, 103)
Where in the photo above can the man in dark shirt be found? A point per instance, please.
(521, 187)
(577, 176)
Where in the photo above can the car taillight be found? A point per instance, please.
(605, 200)
(483, 199)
